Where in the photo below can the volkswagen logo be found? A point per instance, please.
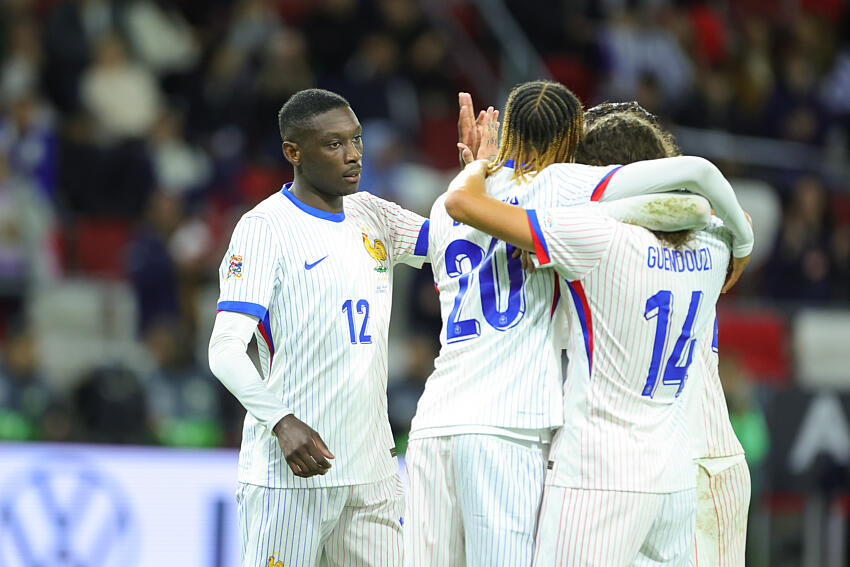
(61, 510)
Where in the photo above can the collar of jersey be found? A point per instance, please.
(312, 211)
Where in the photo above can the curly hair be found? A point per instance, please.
(625, 132)
(543, 125)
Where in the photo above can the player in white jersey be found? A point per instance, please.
(626, 132)
(309, 272)
(621, 488)
(498, 411)
(723, 477)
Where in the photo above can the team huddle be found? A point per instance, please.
(627, 457)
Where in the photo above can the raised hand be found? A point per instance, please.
(303, 448)
(487, 137)
(467, 131)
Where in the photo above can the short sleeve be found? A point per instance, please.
(249, 270)
(573, 240)
(407, 232)
(575, 183)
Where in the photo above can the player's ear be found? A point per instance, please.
(292, 153)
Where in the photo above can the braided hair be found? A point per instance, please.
(543, 125)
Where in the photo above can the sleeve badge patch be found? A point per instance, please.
(235, 268)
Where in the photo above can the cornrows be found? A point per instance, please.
(543, 125)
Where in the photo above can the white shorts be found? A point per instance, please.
(472, 500)
(723, 500)
(301, 527)
(608, 528)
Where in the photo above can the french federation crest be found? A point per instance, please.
(235, 268)
(377, 251)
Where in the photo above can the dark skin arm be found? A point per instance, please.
(303, 448)
(468, 203)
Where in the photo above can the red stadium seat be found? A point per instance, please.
(99, 246)
(760, 339)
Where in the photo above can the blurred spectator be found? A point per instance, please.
(745, 413)
(150, 266)
(185, 401)
(161, 38)
(28, 139)
(109, 406)
(635, 48)
(96, 180)
(286, 49)
(179, 167)
(122, 97)
(335, 27)
(24, 394)
(20, 71)
(799, 267)
(72, 28)
(26, 254)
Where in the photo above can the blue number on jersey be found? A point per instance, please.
(456, 252)
(659, 307)
(362, 308)
(464, 329)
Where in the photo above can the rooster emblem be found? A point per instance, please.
(377, 251)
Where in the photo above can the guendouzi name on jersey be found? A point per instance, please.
(499, 364)
(637, 326)
(321, 286)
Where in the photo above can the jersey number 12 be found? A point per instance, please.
(362, 309)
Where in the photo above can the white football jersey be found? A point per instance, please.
(321, 285)
(711, 431)
(499, 363)
(640, 307)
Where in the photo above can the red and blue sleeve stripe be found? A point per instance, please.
(421, 248)
(603, 184)
(584, 319)
(245, 307)
(540, 247)
(265, 329)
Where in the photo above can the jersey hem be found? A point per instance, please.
(287, 486)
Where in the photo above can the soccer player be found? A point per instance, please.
(309, 272)
(623, 133)
(494, 397)
(621, 486)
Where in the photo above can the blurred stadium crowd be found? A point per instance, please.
(134, 133)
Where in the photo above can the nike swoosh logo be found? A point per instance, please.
(313, 265)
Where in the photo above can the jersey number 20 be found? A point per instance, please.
(499, 318)
(659, 307)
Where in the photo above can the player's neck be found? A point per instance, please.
(310, 196)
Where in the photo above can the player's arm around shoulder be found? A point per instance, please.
(467, 202)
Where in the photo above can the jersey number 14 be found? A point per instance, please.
(659, 307)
